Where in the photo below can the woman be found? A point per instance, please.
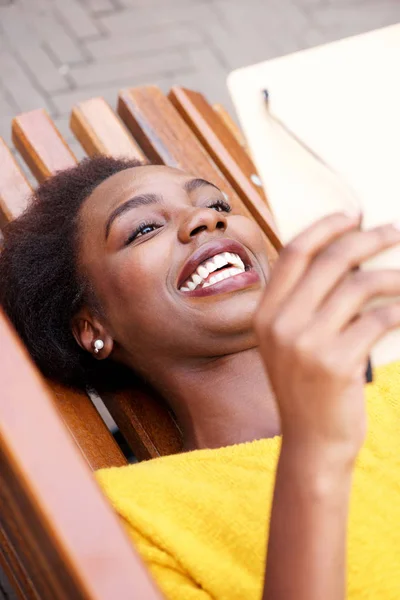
(150, 268)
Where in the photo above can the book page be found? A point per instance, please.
(342, 101)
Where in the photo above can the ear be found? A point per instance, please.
(86, 329)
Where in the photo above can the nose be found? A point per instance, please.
(199, 220)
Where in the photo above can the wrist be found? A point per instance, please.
(324, 469)
(339, 454)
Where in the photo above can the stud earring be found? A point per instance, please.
(98, 345)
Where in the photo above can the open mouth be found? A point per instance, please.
(214, 269)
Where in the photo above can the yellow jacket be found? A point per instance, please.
(199, 519)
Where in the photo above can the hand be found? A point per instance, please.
(316, 332)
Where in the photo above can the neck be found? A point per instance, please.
(224, 401)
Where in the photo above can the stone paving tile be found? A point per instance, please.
(165, 3)
(108, 71)
(19, 84)
(77, 18)
(17, 30)
(209, 76)
(97, 7)
(344, 20)
(153, 42)
(60, 44)
(149, 18)
(251, 33)
(7, 105)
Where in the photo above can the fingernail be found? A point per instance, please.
(396, 225)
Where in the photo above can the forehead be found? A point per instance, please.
(156, 179)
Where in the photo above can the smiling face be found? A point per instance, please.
(177, 272)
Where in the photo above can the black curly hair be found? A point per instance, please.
(40, 286)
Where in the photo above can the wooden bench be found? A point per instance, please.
(62, 541)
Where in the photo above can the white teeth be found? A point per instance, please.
(211, 266)
(197, 279)
(216, 262)
(202, 271)
(219, 261)
(223, 275)
(237, 261)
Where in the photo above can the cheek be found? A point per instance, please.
(135, 291)
(249, 233)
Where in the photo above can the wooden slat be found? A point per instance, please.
(14, 196)
(100, 131)
(14, 189)
(18, 579)
(167, 139)
(40, 144)
(145, 439)
(231, 125)
(154, 432)
(228, 154)
(87, 428)
(73, 545)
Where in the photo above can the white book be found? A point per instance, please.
(341, 103)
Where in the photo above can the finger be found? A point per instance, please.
(357, 341)
(350, 298)
(296, 257)
(333, 263)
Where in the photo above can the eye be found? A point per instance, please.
(141, 230)
(220, 206)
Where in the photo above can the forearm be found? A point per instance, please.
(307, 539)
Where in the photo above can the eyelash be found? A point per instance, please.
(139, 231)
(224, 206)
(221, 205)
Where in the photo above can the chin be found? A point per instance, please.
(236, 315)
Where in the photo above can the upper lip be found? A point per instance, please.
(208, 251)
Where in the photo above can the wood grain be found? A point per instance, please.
(17, 577)
(166, 138)
(231, 125)
(227, 153)
(73, 545)
(14, 188)
(87, 428)
(40, 144)
(145, 422)
(100, 131)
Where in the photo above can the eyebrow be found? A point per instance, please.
(146, 199)
(194, 184)
(142, 200)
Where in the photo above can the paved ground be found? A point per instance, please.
(54, 53)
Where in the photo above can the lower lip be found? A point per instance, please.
(231, 284)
